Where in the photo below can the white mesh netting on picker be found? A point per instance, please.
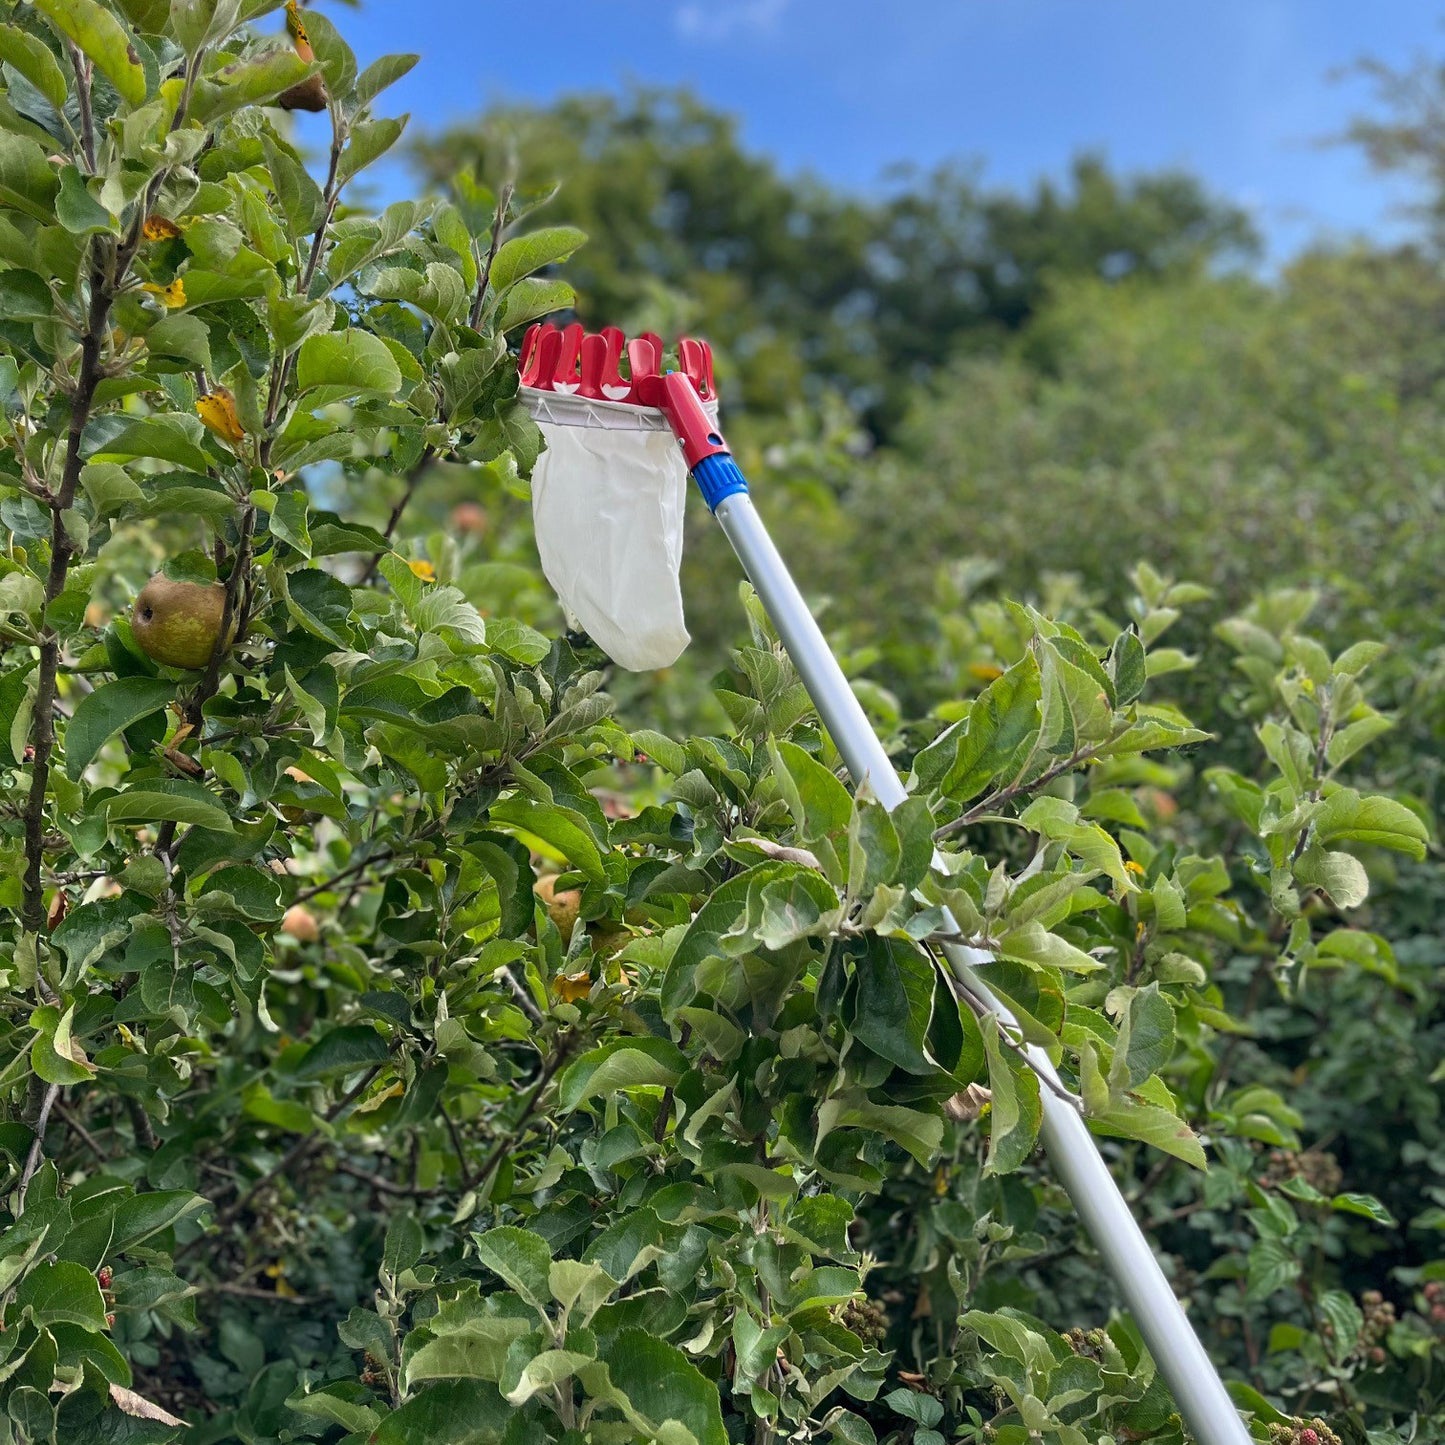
(607, 505)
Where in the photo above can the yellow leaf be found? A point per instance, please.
(392, 1091)
(296, 28)
(569, 987)
(217, 409)
(424, 570)
(172, 297)
(158, 228)
(984, 671)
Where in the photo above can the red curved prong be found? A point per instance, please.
(532, 352)
(564, 376)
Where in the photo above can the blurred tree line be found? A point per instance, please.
(804, 287)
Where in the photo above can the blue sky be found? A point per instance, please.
(1238, 91)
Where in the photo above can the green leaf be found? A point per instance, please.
(964, 760)
(286, 1114)
(288, 519)
(33, 59)
(1016, 1111)
(542, 1372)
(716, 917)
(895, 989)
(564, 829)
(659, 1384)
(301, 203)
(525, 301)
(167, 800)
(470, 1337)
(103, 38)
(1347, 817)
(455, 1412)
(148, 1213)
(521, 1259)
(61, 1291)
(524, 255)
(345, 1404)
(580, 1288)
(919, 1133)
(77, 210)
(821, 806)
(171, 437)
(343, 1050)
(370, 139)
(109, 709)
(1146, 1040)
(183, 336)
(1341, 875)
(27, 181)
(380, 74)
(345, 364)
(255, 81)
(1366, 1206)
(54, 1055)
(620, 1064)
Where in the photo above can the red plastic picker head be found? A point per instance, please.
(575, 363)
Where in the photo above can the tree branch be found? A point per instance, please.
(62, 550)
(37, 1148)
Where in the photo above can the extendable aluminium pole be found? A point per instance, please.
(1198, 1391)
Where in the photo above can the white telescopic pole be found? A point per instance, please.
(1197, 1388)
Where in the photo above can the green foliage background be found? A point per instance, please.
(416, 1031)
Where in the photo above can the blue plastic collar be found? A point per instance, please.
(718, 477)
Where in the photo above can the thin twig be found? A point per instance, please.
(456, 1138)
(359, 865)
(383, 1186)
(62, 550)
(141, 1127)
(83, 70)
(1003, 795)
(332, 194)
(37, 1146)
(524, 999)
(251, 1291)
(413, 481)
(81, 1132)
(484, 275)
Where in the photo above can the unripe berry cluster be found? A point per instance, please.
(1089, 1343)
(866, 1318)
(1317, 1167)
(1303, 1432)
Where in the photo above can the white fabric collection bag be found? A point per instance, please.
(607, 505)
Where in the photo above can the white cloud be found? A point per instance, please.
(715, 20)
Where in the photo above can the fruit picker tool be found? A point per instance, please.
(573, 380)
